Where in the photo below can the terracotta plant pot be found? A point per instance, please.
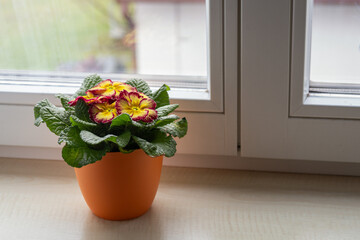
(120, 186)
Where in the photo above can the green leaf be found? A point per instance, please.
(82, 111)
(162, 121)
(140, 85)
(120, 121)
(63, 137)
(83, 125)
(38, 107)
(176, 129)
(77, 153)
(89, 82)
(64, 99)
(98, 129)
(165, 110)
(93, 139)
(56, 119)
(160, 145)
(142, 125)
(161, 96)
(122, 140)
(124, 121)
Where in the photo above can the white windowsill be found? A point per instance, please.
(342, 100)
(42, 200)
(337, 106)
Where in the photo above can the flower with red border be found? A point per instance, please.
(103, 112)
(110, 88)
(139, 107)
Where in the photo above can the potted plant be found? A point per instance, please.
(115, 136)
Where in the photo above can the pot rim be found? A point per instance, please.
(135, 151)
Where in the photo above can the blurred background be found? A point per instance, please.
(146, 37)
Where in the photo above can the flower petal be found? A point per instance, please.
(101, 87)
(142, 95)
(125, 95)
(152, 115)
(138, 107)
(122, 105)
(89, 95)
(147, 103)
(93, 110)
(129, 111)
(104, 84)
(73, 102)
(88, 98)
(119, 87)
(108, 93)
(103, 112)
(104, 117)
(139, 115)
(135, 98)
(102, 99)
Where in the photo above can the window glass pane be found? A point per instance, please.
(147, 37)
(335, 44)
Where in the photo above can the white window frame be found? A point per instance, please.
(302, 102)
(14, 85)
(212, 120)
(272, 76)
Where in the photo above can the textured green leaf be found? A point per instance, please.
(121, 120)
(83, 125)
(165, 110)
(176, 129)
(77, 153)
(64, 99)
(38, 107)
(56, 119)
(161, 96)
(82, 111)
(123, 139)
(160, 145)
(142, 125)
(63, 137)
(98, 129)
(140, 85)
(89, 82)
(93, 139)
(162, 121)
(124, 121)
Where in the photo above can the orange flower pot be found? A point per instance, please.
(120, 186)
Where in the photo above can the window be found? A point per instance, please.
(305, 98)
(197, 56)
(280, 118)
(335, 50)
(117, 37)
(58, 43)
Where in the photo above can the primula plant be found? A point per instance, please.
(105, 116)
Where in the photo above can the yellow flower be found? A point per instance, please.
(139, 107)
(103, 112)
(88, 98)
(110, 89)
